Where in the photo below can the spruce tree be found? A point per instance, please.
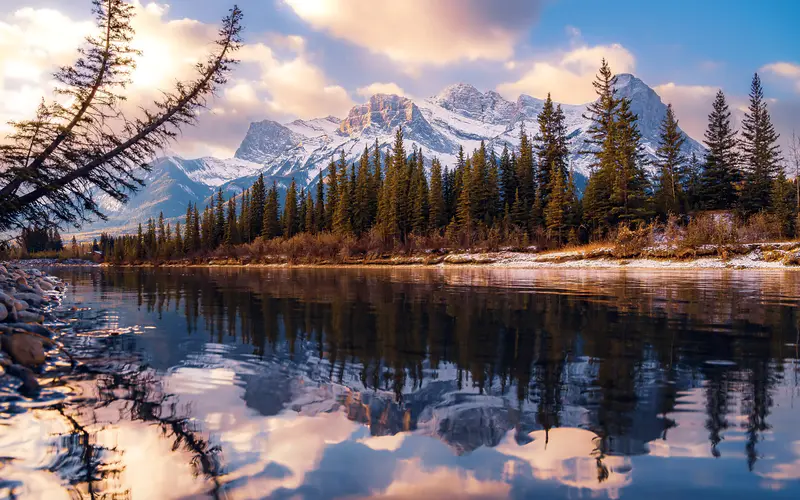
(557, 208)
(231, 224)
(721, 170)
(272, 227)
(290, 222)
(693, 184)
(258, 193)
(301, 211)
(219, 223)
(319, 206)
(310, 224)
(333, 194)
(629, 190)
(508, 177)
(178, 247)
(361, 204)
(195, 229)
(669, 195)
(162, 241)
(342, 224)
(525, 168)
(436, 216)
(761, 154)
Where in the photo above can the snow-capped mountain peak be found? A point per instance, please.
(459, 115)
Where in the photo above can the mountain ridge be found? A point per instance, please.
(459, 115)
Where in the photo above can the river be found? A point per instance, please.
(415, 383)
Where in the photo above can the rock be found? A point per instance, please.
(29, 317)
(3, 312)
(5, 361)
(30, 386)
(28, 327)
(20, 305)
(24, 349)
(45, 285)
(6, 299)
(32, 299)
(22, 281)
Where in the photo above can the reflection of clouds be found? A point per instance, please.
(569, 456)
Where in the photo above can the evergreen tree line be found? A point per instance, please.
(528, 192)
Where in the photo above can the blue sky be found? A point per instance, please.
(307, 58)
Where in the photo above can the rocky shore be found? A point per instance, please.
(27, 300)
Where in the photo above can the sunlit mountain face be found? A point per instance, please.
(404, 383)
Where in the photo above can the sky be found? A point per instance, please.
(311, 58)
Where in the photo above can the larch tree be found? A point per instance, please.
(55, 167)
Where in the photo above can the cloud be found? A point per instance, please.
(568, 76)
(34, 42)
(435, 32)
(380, 88)
(789, 71)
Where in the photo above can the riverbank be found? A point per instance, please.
(777, 255)
(28, 325)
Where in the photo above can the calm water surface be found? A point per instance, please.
(475, 383)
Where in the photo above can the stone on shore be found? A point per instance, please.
(30, 386)
(25, 350)
(3, 312)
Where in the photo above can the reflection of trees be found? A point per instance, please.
(638, 340)
(137, 396)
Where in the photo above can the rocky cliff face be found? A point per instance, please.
(460, 115)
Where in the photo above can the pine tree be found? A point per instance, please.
(557, 208)
(436, 216)
(603, 115)
(319, 206)
(290, 222)
(693, 184)
(629, 190)
(258, 194)
(508, 177)
(525, 168)
(552, 153)
(721, 171)
(310, 224)
(361, 204)
(301, 211)
(244, 218)
(178, 247)
(271, 224)
(219, 222)
(669, 195)
(761, 154)
(333, 194)
(195, 229)
(231, 225)
(388, 216)
(161, 241)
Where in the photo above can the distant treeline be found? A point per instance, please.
(525, 196)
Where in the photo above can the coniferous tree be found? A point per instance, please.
(525, 169)
(597, 200)
(301, 211)
(721, 171)
(693, 186)
(258, 195)
(231, 224)
(436, 215)
(669, 195)
(761, 154)
(271, 227)
(290, 222)
(629, 190)
(333, 194)
(310, 224)
(178, 247)
(557, 208)
(319, 206)
(219, 222)
(508, 177)
(195, 229)
(388, 216)
(162, 240)
(361, 203)
(244, 218)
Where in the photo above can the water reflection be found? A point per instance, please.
(420, 383)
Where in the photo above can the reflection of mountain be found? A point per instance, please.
(564, 377)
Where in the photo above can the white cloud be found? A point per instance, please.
(436, 32)
(787, 70)
(568, 76)
(34, 42)
(380, 88)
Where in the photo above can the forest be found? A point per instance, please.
(521, 198)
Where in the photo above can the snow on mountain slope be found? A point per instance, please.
(460, 115)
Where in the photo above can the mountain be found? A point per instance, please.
(460, 115)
